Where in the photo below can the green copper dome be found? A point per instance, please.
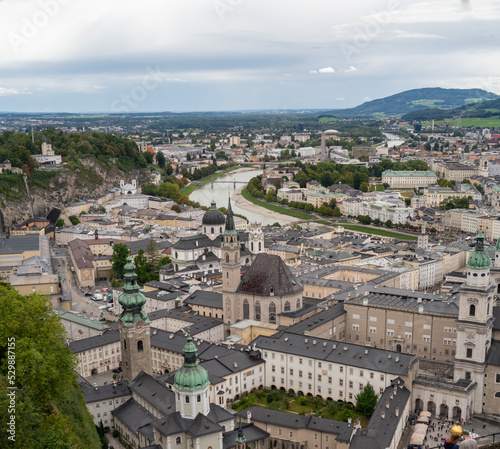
(497, 246)
(479, 259)
(191, 376)
(131, 299)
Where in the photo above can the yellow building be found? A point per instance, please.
(47, 284)
(15, 250)
(248, 330)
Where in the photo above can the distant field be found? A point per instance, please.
(189, 189)
(368, 230)
(483, 122)
(328, 119)
(428, 103)
(281, 210)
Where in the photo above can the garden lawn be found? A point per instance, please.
(280, 210)
(368, 230)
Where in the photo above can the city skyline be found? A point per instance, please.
(238, 55)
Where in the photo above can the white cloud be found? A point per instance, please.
(313, 71)
(327, 70)
(6, 91)
(340, 99)
(350, 69)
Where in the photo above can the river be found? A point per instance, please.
(219, 192)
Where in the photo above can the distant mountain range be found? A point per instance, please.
(431, 98)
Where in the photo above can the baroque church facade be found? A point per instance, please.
(266, 290)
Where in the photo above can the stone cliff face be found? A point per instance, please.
(67, 187)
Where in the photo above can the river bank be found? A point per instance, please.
(242, 203)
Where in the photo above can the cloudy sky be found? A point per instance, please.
(187, 55)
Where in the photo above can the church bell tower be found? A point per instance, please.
(230, 264)
(475, 320)
(135, 340)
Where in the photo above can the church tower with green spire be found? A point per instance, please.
(231, 268)
(134, 327)
(191, 384)
(475, 321)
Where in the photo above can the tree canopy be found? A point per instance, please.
(366, 400)
(50, 409)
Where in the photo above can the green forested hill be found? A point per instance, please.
(18, 147)
(50, 411)
(477, 110)
(416, 99)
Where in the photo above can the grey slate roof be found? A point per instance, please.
(318, 319)
(154, 392)
(266, 272)
(297, 421)
(380, 430)
(493, 357)
(496, 314)
(103, 392)
(205, 298)
(196, 241)
(337, 352)
(133, 415)
(218, 414)
(202, 426)
(109, 336)
(250, 431)
(172, 424)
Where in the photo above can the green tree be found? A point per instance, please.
(364, 187)
(119, 259)
(60, 223)
(150, 189)
(160, 159)
(168, 190)
(50, 409)
(309, 207)
(389, 224)
(364, 219)
(479, 187)
(366, 400)
(74, 220)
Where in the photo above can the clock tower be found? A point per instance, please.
(475, 321)
(135, 338)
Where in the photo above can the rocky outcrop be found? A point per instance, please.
(68, 186)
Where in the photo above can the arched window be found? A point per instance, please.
(257, 311)
(251, 245)
(246, 310)
(212, 230)
(220, 229)
(176, 255)
(187, 399)
(198, 398)
(140, 346)
(472, 310)
(260, 247)
(287, 306)
(125, 345)
(178, 440)
(497, 394)
(227, 257)
(272, 313)
(298, 304)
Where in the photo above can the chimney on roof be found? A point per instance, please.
(397, 411)
(249, 416)
(387, 404)
(382, 415)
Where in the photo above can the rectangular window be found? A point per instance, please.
(373, 330)
(408, 324)
(341, 369)
(319, 377)
(351, 371)
(373, 318)
(351, 384)
(361, 387)
(309, 375)
(497, 378)
(341, 382)
(291, 372)
(355, 327)
(279, 431)
(361, 373)
(300, 373)
(408, 335)
(390, 321)
(469, 353)
(329, 380)
(390, 332)
(282, 370)
(355, 316)
(427, 338)
(427, 327)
